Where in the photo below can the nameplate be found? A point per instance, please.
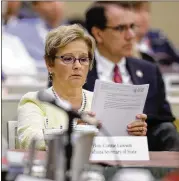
(119, 148)
(30, 178)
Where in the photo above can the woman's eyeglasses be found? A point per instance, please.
(71, 60)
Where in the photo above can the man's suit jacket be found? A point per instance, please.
(28, 33)
(160, 44)
(32, 33)
(156, 106)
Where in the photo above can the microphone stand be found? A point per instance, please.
(71, 115)
(68, 146)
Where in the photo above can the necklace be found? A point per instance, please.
(83, 106)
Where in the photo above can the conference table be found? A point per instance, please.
(157, 159)
(160, 163)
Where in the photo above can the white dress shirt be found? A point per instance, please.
(16, 60)
(144, 46)
(42, 29)
(105, 69)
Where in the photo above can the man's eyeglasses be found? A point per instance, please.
(123, 28)
(71, 60)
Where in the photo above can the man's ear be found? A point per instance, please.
(97, 33)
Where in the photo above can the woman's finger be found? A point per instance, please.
(142, 117)
(99, 126)
(91, 114)
(137, 124)
(136, 129)
(137, 133)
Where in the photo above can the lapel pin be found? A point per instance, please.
(139, 73)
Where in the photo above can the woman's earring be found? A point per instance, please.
(50, 77)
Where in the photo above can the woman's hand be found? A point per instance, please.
(139, 126)
(91, 114)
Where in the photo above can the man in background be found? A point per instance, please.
(113, 27)
(15, 60)
(151, 41)
(10, 17)
(32, 32)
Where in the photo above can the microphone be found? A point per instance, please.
(45, 97)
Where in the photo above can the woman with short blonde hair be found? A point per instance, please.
(63, 35)
(69, 53)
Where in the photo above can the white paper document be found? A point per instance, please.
(116, 105)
